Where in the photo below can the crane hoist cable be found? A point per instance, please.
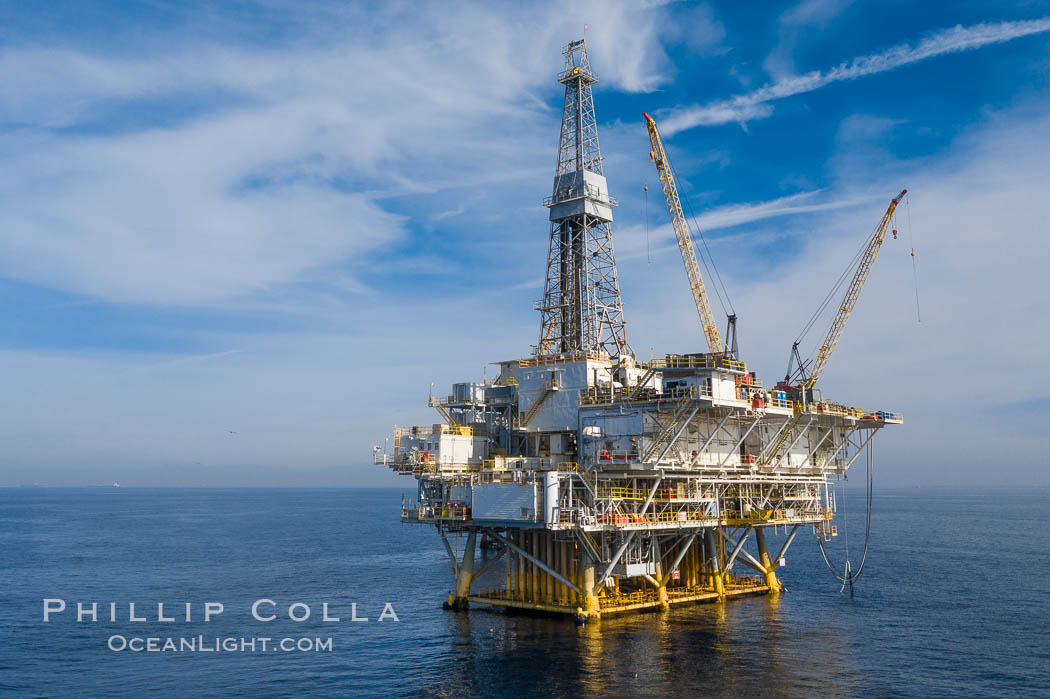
(867, 259)
(863, 262)
(708, 260)
(832, 292)
(685, 241)
(796, 364)
(840, 281)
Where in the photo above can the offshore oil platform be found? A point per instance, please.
(609, 484)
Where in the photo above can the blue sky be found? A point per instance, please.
(239, 240)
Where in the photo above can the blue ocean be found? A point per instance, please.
(954, 601)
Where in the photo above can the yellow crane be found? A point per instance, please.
(860, 276)
(685, 240)
(867, 259)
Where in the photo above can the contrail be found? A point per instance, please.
(186, 360)
(754, 105)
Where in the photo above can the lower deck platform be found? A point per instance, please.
(638, 601)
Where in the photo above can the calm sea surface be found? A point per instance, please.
(955, 601)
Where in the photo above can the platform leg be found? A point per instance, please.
(716, 569)
(590, 609)
(466, 573)
(763, 558)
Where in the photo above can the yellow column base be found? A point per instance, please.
(771, 575)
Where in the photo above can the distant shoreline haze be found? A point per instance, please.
(203, 475)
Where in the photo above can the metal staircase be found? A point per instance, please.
(664, 439)
(641, 385)
(548, 389)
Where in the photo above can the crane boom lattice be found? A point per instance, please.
(684, 238)
(867, 259)
(860, 276)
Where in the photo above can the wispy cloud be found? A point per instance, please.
(277, 171)
(733, 215)
(534, 283)
(187, 360)
(801, 203)
(791, 23)
(446, 214)
(755, 105)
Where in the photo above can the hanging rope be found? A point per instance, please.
(648, 257)
(845, 524)
(914, 271)
(848, 574)
(832, 294)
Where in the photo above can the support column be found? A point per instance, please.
(541, 553)
(466, 574)
(590, 608)
(510, 573)
(534, 571)
(698, 561)
(573, 574)
(685, 568)
(705, 556)
(697, 543)
(548, 541)
(692, 581)
(526, 567)
(579, 560)
(763, 558)
(661, 587)
(519, 567)
(563, 550)
(712, 556)
(526, 545)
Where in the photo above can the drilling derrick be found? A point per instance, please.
(604, 484)
(581, 309)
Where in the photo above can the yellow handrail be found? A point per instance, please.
(700, 362)
(562, 359)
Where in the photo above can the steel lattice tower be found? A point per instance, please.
(581, 309)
